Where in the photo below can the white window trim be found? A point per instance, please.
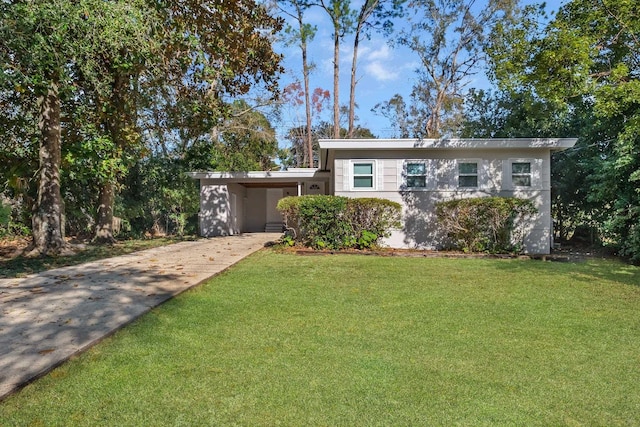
(375, 171)
(480, 174)
(536, 174)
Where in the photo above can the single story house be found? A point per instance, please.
(416, 173)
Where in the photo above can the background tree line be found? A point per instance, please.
(146, 90)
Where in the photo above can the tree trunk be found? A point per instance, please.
(115, 124)
(48, 215)
(352, 88)
(307, 96)
(336, 82)
(366, 10)
(307, 101)
(104, 222)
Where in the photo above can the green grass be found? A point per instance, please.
(281, 339)
(20, 266)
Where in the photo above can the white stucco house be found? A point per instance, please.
(414, 173)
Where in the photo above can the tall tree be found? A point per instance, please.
(373, 14)
(302, 34)
(342, 19)
(298, 135)
(448, 37)
(395, 109)
(366, 11)
(210, 51)
(35, 50)
(95, 55)
(589, 52)
(195, 51)
(247, 142)
(117, 47)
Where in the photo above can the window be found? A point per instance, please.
(521, 174)
(416, 175)
(468, 174)
(363, 176)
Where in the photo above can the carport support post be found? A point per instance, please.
(299, 188)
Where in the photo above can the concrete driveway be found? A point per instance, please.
(48, 317)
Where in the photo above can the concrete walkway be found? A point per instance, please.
(46, 318)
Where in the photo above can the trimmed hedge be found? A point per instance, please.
(485, 224)
(336, 222)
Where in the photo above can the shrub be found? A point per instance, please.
(9, 225)
(5, 215)
(334, 222)
(485, 224)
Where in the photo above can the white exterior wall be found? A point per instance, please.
(494, 179)
(214, 210)
(221, 208)
(237, 200)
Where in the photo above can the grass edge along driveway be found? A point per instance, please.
(281, 339)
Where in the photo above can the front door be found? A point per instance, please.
(273, 196)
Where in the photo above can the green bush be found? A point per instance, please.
(9, 225)
(334, 222)
(5, 216)
(485, 224)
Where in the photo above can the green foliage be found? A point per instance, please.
(288, 240)
(485, 224)
(136, 79)
(10, 224)
(158, 197)
(5, 216)
(319, 220)
(334, 222)
(248, 141)
(585, 60)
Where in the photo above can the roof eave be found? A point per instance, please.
(259, 175)
(447, 144)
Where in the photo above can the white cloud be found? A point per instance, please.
(381, 54)
(382, 72)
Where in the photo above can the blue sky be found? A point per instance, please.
(383, 71)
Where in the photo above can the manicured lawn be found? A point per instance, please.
(353, 340)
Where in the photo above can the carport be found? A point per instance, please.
(242, 202)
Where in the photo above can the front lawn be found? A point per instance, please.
(352, 340)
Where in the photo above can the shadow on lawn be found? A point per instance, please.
(589, 271)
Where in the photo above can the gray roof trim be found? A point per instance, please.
(555, 144)
(257, 176)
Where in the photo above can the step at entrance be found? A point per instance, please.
(274, 227)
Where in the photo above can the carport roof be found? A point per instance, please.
(289, 176)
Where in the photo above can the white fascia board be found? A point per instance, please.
(444, 144)
(298, 173)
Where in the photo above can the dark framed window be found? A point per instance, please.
(468, 174)
(521, 174)
(416, 175)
